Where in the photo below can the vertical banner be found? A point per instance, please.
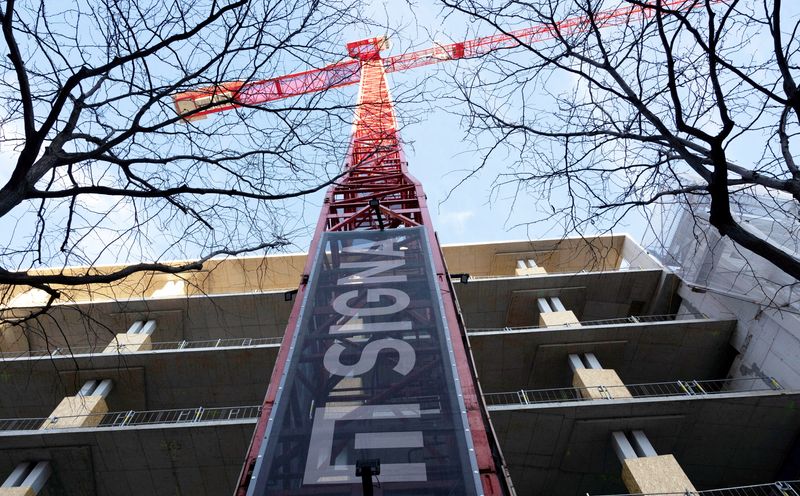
(370, 375)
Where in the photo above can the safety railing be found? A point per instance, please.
(133, 418)
(781, 488)
(633, 319)
(162, 346)
(644, 390)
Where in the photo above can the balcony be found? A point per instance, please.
(194, 451)
(558, 444)
(196, 318)
(592, 296)
(175, 374)
(648, 349)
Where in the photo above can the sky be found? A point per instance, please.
(436, 147)
(434, 138)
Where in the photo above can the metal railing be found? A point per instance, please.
(166, 345)
(633, 319)
(781, 488)
(133, 418)
(645, 390)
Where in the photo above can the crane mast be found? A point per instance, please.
(377, 371)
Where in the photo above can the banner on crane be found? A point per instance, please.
(370, 376)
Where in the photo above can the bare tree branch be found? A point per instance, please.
(653, 111)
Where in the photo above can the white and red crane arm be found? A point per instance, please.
(199, 103)
(526, 36)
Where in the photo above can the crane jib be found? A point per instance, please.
(197, 104)
(370, 375)
(298, 84)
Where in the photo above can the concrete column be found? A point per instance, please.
(136, 339)
(544, 305)
(85, 409)
(528, 268)
(575, 362)
(27, 479)
(555, 302)
(12, 339)
(642, 445)
(553, 313)
(593, 381)
(644, 471)
(592, 361)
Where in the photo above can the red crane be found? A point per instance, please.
(201, 102)
(375, 376)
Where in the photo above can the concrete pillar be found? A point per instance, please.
(553, 313)
(593, 381)
(555, 302)
(136, 339)
(642, 445)
(528, 268)
(644, 471)
(12, 339)
(85, 409)
(592, 361)
(575, 362)
(27, 479)
(544, 305)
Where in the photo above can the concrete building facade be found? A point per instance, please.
(600, 373)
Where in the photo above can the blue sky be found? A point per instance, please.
(436, 149)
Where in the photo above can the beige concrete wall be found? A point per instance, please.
(17, 491)
(655, 474)
(279, 272)
(129, 343)
(233, 275)
(551, 319)
(589, 380)
(636, 256)
(529, 271)
(77, 411)
(554, 256)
